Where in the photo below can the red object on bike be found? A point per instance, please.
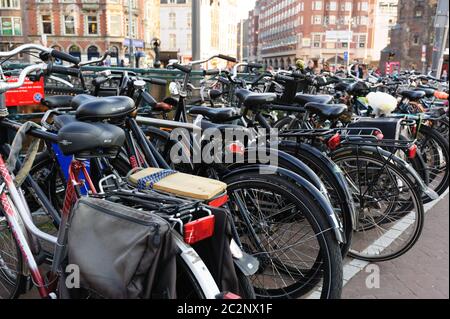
(199, 230)
(236, 148)
(219, 202)
(412, 152)
(230, 296)
(31, 93)
(379, 135)
(334, 142)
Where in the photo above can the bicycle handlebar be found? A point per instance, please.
(65, 57)
(4, 86)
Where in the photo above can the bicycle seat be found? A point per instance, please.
(413, 95)
(429, 92)
(163, 107)
(327, 111)
(304, 99)
(81, 99)
(57, 101)
(215, 115)
(251, 99)
(62, 120)
(89, 140)
(106, 108)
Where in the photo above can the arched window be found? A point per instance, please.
(92, 52)
(75, 51)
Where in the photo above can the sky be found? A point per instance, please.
(244, 7)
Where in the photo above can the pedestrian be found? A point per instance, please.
(444, 76)
(310, 67)
(357, 71)
(122, 63)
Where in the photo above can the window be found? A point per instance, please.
(332, 20)
(10, 26)
(92, 53)
(133, 27)
(189, 41)
(115, 25)
(173, 41)
(317, 20)
(189, 20)
(10, 4)
(69, 24)
(172, 20)
(364, 6)
(46, 24)
(332, 6)
(362, 41)
(92, 25)
(416, 39)
(418, 12)
(317, 40)
(317, 5)
(75, 51)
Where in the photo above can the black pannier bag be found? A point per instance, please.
(216, 253)
(121, 253)
(390, 127)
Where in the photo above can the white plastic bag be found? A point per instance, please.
(382, 103)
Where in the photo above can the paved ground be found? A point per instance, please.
(423, 273)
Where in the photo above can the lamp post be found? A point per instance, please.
(349, 35)
(130, 24)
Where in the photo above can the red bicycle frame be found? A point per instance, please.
(14, 206)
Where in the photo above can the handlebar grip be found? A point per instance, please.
(253, 65)
(62, 70)
(65, 57)
(157, 82)
(280, 77)
(211, 72)
(227, 58)
(182, 68)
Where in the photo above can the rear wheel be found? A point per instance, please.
(390, 208)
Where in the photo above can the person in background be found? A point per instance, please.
(357, 70)
(310, 67)
(365, 72)
(122, 63)
(444, 76)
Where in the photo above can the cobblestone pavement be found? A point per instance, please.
(423, 273)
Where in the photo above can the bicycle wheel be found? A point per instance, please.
(434, 149)
(12, 281)
(283, 227)
(390, 208)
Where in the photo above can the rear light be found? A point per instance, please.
(334, 142)
(236, 148)
(379, 135)
(412, 152)
(199, 230)
(228, 296)
(219, 202)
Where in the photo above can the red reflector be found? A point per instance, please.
(219, 202)
(236, 148)
(379, 135)
(231, 296)
(412, 153)
(334, 142)
(199, 230)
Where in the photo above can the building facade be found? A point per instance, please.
(12, 22)
(413, 34)
(87, 28)
(329, 29)
(242, 40)
(218, 27)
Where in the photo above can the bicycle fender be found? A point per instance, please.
(332, 166)
(320, 199)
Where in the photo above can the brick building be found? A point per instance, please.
(413, 34)
(285, 30)
(11, 24)
(87, 28)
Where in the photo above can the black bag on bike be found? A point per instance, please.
(390, 127)
(121, 252)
